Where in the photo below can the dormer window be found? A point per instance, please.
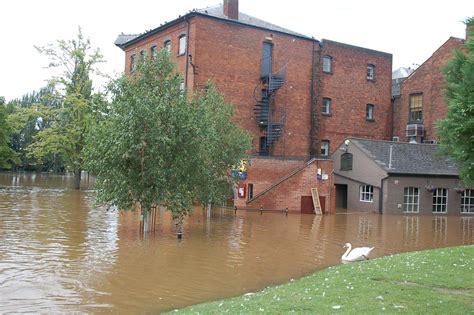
(370, 72)
(327, 64)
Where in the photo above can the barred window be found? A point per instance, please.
(366, 193)
(411, 199)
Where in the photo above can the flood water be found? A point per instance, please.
(60, 254)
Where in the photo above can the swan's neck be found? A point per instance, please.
(347, 251)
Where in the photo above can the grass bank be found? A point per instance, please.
(439, 281)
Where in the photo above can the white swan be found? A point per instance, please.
(358, 253)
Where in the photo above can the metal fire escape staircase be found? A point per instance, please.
(271, 121)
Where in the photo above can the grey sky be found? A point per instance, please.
(410, 30)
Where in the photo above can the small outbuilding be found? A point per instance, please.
(398, 178)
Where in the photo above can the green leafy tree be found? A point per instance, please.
(154, 146)
(456, 131)
(68, 125)
(8, 156)
(27, 116)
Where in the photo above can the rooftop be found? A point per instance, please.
(217, 12)
(407, 158)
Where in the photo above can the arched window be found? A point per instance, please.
(346, 161)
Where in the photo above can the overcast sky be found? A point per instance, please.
(411, 30)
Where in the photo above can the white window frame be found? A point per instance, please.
(411, 200)
(467, 201)
(182, 44)
(153, 51)
(133, 63)
(369, 112)
(327, 64)
(440, 200)
(325, 148)
(167, 45)
(370, 72)
(326, 108)
(366, 193)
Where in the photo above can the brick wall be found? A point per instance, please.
(229, 55)
(288, 194)
(429, 80)
(350, 91)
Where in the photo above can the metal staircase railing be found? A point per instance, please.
(272, 123)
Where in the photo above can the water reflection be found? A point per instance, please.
(60, 254)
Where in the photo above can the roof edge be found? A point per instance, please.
(196, 13)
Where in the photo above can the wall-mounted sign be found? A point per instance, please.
(241, 190)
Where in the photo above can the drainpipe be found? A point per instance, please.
(313, 138)
(188, 38)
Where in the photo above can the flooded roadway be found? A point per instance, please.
(60, 253)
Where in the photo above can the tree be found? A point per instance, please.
(456, 131)
(27, 116)
(153, 146)
(8, 157)
(68, 128)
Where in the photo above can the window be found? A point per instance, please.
(324, 148)
(369, 112)
(167, 45)
(395, 139)
(181, 86)
(416, 108)
(440, 200)
(370, 72)
(142, 55)
(346, 162)
(326, 110)
(327, 64)
(133, 63)
(250, 193)
(467, 201)
(366, 193)
(182, 44)
(411, 198)
(153, 51)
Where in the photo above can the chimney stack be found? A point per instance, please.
(231, 9)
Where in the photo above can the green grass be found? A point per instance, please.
(437, 281)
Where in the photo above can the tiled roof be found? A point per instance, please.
(218, 12)
(215, 12)
(123, 38)
(407, 158)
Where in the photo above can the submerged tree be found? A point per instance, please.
(29, 115)
(68, 128)
(155, 147)
(8, 156)
(456, 131)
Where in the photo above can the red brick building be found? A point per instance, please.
(298, 97)
(421, 100)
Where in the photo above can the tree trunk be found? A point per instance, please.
(77, 179)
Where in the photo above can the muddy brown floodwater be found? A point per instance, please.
(60, 254)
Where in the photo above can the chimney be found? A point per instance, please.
(231, 9)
